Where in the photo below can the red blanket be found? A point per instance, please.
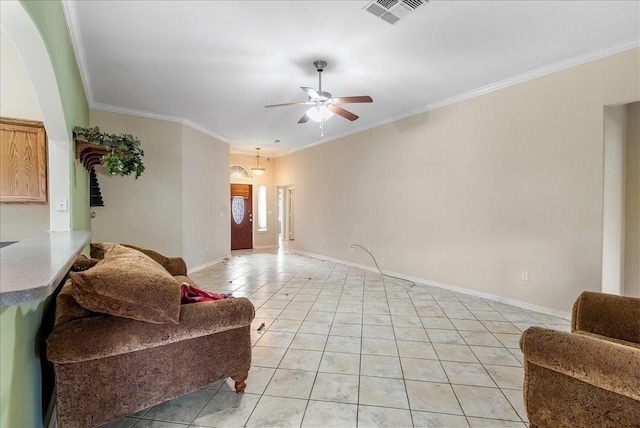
(191, 294)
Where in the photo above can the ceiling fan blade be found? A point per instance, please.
(285, 104)
(311, 92)
(304, 118)
(342, 112)
(359, 99)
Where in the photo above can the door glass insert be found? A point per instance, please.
(237, 209)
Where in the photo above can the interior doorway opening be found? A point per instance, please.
(286, 213)
(621, 200)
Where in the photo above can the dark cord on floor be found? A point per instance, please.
(378, 267)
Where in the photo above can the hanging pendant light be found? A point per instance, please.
(257, 170)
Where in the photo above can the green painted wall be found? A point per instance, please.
(20, 365)
(48, 17)
(25, 376)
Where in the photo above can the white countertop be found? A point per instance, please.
(33, 268)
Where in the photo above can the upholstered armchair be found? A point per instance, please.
(591, 376)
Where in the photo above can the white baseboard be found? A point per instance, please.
(476, 293)
(263, 247)
(206, 265)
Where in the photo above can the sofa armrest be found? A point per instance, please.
(103, 336)
(607, 315)
(596, 361)
(176, 266)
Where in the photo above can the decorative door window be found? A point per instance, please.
(238, 171)
(237, 209)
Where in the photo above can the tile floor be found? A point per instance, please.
(344, 347)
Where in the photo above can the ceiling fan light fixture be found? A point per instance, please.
(319, 114)
(257, 170)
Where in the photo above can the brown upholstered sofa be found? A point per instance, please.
(591, 376)
(150, 348)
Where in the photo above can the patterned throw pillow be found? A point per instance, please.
(127, 283)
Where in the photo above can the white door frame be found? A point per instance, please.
(291, 204)
(288, 212)
(613, 199)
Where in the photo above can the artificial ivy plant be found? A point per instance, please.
(125, 156)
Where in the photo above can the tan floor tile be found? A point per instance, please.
(432, 397)
(378, 391)
(322, 414)
(467, 374)
(422, 369)
(382, 366)
(277, 412)
(291, 383)
(435, 420)
(346, 344)
(301, 359)
(452, 352)
(341, 388)
(411, 349)
(485, 403)
(379, 347)
(370, 416)
(340, 362)
(492, 355)
(506, 377)
(311, 342)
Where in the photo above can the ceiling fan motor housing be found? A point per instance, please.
(320, 65)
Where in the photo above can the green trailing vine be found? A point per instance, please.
(125, 156)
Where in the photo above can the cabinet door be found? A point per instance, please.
(23, 162)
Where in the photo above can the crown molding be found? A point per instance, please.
(157, 116)
(520, 78)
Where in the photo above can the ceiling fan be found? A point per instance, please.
(323, 105)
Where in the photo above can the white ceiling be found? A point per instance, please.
(216, 64)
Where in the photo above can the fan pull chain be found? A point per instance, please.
(322, 128)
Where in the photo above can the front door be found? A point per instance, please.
(241, 217)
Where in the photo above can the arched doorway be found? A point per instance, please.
(28, 42)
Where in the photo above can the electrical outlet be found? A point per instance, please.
(61, 204)
(206, 247)
(524, 276)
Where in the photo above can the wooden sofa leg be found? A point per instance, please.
(240, 382)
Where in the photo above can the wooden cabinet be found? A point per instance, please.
(23, 162)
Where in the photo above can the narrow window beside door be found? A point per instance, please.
(262, 208)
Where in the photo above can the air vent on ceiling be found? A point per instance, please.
(392, 11)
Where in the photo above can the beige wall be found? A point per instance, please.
(175, 206)
(205, 198)
(632, 203)
(148, 211)
(270, 237)
(474, 193)
(18, 100)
